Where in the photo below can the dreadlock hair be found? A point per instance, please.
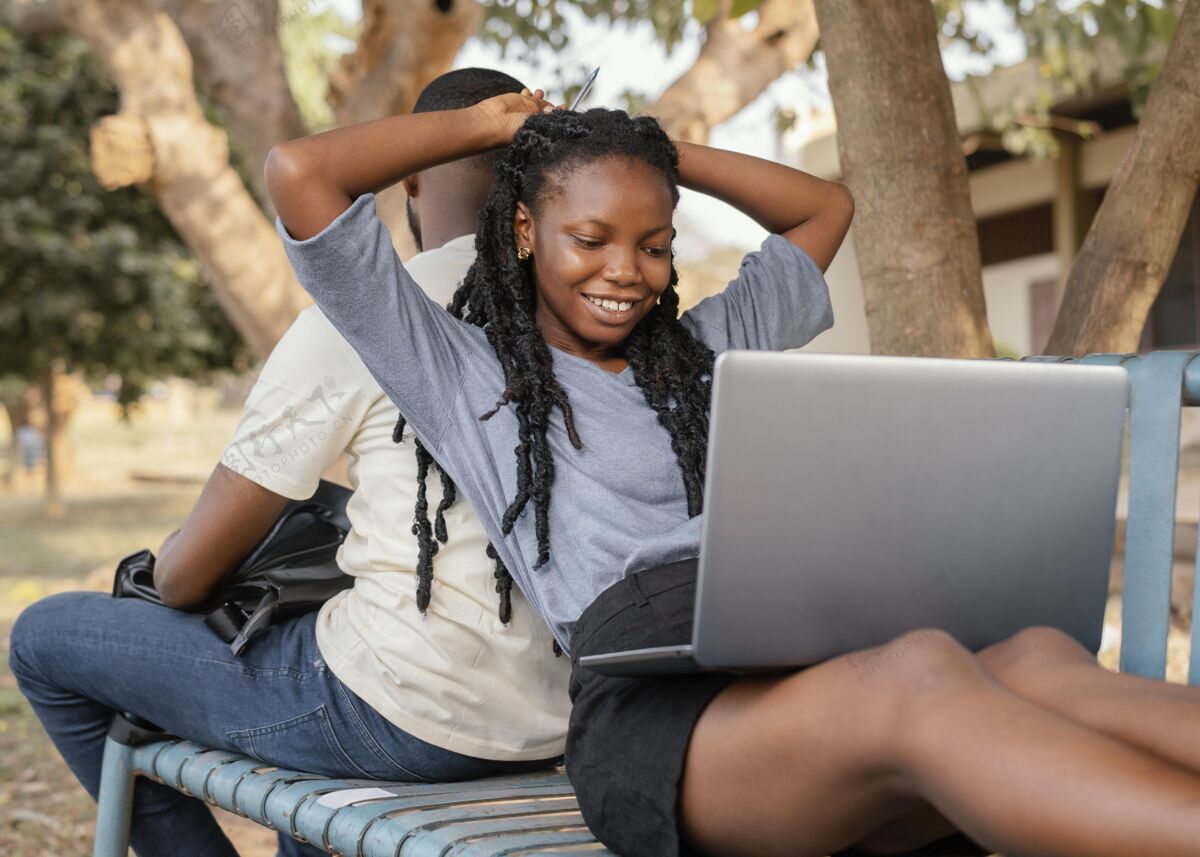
(672, 368)
(454, 89)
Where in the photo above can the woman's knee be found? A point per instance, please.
(1033, 659)
(915, 674)
(916, 663)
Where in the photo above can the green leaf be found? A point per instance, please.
(705, 10)
(1162, 23)
(741, 7)
(98, 280)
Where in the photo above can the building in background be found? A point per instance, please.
(1032, 215)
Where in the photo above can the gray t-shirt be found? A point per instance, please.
(618, 504)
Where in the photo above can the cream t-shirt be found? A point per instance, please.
(456, 678)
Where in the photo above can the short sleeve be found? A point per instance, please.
(414, 349)
(778, 301)
(303, 411)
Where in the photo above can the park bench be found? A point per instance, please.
(536, 814)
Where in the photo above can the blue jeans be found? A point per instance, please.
(81, 656)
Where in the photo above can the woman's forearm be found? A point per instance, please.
(312, 180)
(811, 212)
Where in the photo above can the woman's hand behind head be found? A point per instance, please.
(508, 112)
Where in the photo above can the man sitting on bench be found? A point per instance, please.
(396, 678)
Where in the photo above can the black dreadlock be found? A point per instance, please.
(672, 368)
(427, 532)
(454, 89)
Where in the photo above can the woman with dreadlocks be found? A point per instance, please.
(564, 349)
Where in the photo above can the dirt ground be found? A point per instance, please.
(112, 508)
(132, 485)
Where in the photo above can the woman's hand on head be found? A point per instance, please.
(508, 112)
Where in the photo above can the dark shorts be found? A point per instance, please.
(628, 737)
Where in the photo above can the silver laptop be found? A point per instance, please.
(850, 499)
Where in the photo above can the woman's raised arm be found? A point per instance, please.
(812, 213)
(314, 179)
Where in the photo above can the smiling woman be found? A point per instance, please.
(573, 356)
(601, 244)
(1027, 746)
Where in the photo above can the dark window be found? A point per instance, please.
(987, 157)
(1107, 111)
(1017, 234)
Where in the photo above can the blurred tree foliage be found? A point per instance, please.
(313, 42)
(1070, 41)
(529, 25)
(90, 280)
(1065, 37)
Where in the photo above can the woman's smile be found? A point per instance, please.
(611, 310)
(601, 252)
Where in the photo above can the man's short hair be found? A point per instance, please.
(455, 90)
(464, 87)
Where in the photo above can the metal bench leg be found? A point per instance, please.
(115, 802)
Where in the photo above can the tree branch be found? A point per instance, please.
(914, 232)
(30, 18)
(1128, 249)
(404, 44)
(161, 131)
(735, 66)
(238, 63)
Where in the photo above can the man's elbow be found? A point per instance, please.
(173, 591)
(168, 592)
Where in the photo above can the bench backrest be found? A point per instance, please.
(1161, 384)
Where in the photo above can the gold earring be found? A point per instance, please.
(524, 253)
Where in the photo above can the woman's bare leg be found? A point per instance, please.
(1051, 669)
(808, 763)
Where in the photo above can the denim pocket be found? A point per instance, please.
(304, 743)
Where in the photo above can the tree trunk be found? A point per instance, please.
(232, 44)
(17, 411)
(914, 231)
(161, 135)
(1129, 248)
(54, 428)
(735, 66)
(404, 44)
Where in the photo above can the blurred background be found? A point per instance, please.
(1025, 174)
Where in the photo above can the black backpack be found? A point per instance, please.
(292, 571)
